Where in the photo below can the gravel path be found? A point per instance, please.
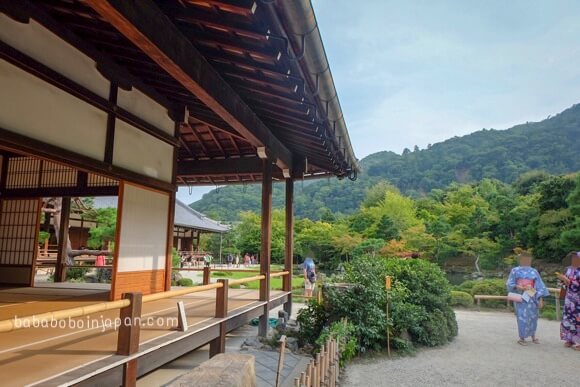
(485, 353)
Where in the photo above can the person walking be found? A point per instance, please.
(527, 282)
(570, 325)
(309, 277)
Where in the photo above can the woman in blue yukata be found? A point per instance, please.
(526, 281)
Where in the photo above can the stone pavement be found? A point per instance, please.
(267, 365)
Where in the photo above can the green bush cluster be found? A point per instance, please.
(344, 333)
(491, 287)
(419, 303)
(76, 274)
(459, 298)
(185, 282)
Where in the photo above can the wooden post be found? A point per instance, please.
(266, 244)
(317, 367)
(60, 270)
(206, 275)
(280, 359)
(289, 247)
(218, 345)
(128, 336)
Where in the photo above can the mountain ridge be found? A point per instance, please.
(547, 145)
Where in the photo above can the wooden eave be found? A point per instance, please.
(247, 94)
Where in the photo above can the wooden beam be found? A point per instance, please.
(30, 146)
(146, 26)
(222, 167)
(266, 243)
(111, 118)
(60, 191)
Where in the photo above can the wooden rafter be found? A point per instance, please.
(145, 25)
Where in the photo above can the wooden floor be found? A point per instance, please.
(33, 355)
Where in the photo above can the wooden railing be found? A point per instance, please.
(130, 308)
(555, 291)
(324, 369)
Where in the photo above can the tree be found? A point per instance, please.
(570, 239)
(481, 248)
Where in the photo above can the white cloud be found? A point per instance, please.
(420, 72)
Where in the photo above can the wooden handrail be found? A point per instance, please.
(180, 292)
(279, 274)
(10, 325)
(245, 280)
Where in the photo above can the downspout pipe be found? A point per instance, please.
(298, 22)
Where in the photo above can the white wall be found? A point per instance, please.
(138, 152)
(143, 215)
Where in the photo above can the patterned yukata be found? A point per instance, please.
(527, 311)
(570, 326)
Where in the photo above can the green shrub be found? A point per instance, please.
(222, 273)
(461, 299)
(76, 274)
(175, 258)
(312, 320)
(548, 314)
(344, 333)
(419, 303)
(185, 282)
(491, 287)
(364, 307)
(419, 306)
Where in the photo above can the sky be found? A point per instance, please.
(417, 72)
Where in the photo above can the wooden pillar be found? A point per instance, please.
(266, 244)
(218, 345)
(60, 270)
(289, 250)
(171, 215)
(169, 257)
(206, 275)
(197, 240)
(128, 336)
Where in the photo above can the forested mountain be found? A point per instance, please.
(551, 145)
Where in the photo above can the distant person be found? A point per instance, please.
(570, 325)
(246, 260)
(100, 260)
(207, 260)
(309, 277)
(230, 260)
(237, 260)
(527, 282)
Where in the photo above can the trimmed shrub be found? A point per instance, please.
(492, 287)
(461, 299)
(185, 282)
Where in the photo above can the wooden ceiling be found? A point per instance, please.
(236, 39)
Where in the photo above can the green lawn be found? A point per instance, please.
(275, 283)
